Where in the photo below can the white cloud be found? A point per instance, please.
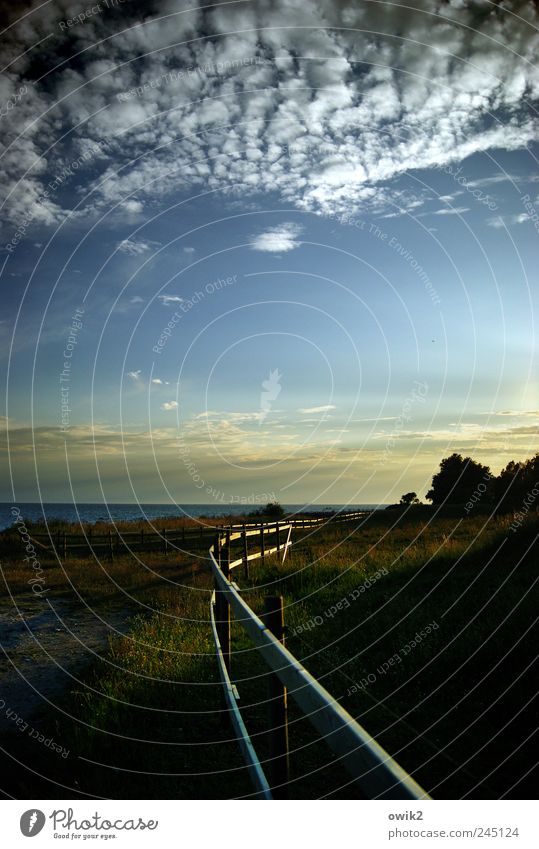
(231, 416)
(494, 180)
(279, 239)
(169, 299)
(455, 210)
(188, 250)
(169, 405)
(132, 206)
(127, 306)
(135, 375)
(514, 413)
(322, 105)
(159, 382)
(502, 221)
(132, 247)
(323, 409)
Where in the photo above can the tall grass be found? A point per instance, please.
(440, 708)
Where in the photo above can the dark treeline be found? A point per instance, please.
(463, 481)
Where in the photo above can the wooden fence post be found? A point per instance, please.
(288, 544)
(278, 538)
(278, 706)
(64, 546)
(222, 607)
(165, 540)
(245, 561)
(262, 550)
(111, 552)
(142, 538)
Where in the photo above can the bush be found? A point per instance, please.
(272, 510)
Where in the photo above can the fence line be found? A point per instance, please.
(373, 769)
(61, 542)
(256, 772)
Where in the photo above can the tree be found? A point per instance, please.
(409, 498)
(458, 479)
(507, 487)
(515, 486)
(273, 510)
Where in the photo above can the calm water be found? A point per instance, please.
(36, 512)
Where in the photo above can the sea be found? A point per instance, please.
(91, 513)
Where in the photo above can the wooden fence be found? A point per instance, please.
(115, 542)
(373, 769)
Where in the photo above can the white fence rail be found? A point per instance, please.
(372, 768)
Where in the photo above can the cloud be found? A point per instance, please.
(231, 416)
(278, 239)
(169, 405)
(494, 179)
(456, 210)
(325, 104)
(135, 375)
(523, 430)
(468, 435)
(377, 419)
(133, 207)
(502, 221)
(133, 248)
(126, 306)
(323, 409)
(83, 439)
(188, 250)
(169, 299)
(514, 413)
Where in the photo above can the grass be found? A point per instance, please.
(148, 719)
(154, 725)
(447, 708)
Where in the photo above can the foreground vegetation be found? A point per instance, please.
(451, 702)
(147, 718)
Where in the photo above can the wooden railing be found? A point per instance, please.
(114, 542)
(372, 768)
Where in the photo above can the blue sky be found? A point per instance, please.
(302, 240)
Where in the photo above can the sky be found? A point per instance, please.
(258, 250)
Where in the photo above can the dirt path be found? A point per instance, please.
(46, 645)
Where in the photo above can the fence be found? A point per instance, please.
(373, 769)
(113, 543)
